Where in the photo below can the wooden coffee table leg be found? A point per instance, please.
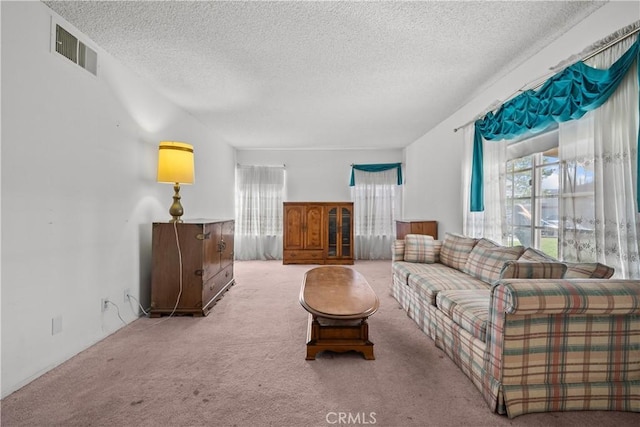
(313, 333)
(338, 337)
(367, 347)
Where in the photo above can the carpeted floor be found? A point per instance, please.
(244, 365)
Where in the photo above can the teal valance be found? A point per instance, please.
(568, 95)
(379, 167)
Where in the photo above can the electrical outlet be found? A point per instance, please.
(126, 295)
(104, 304)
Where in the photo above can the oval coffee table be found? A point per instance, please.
(339, 301)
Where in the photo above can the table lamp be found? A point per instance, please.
(175, 166)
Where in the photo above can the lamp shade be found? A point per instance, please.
(175, 162)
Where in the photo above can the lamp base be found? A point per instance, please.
(176, 209)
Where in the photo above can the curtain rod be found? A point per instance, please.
(353, 164)
(266, 166)
(540, 80)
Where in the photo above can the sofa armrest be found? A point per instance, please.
(397, 250)
(568, 296)
(548, 336)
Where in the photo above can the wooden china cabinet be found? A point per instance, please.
(318, 233)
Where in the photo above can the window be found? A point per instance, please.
(259, 197)
(532, 197)
(377, 201)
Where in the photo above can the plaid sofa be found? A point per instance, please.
(533, 334)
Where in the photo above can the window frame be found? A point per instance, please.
(534, 197)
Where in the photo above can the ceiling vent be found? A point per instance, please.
(73, 49)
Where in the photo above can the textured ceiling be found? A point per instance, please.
(322, 74)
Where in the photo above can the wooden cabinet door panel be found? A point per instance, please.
(226, 244)
(293, 232)
(166, 269)
(210, 238)
(314, 226)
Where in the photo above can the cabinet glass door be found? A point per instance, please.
(346, 232)
(332, 246)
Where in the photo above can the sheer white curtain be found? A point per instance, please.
(490, 223)
(576, 149)
(600, 156)
(259, 197)
(377, 202)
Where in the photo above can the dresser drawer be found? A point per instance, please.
(212, 287)
(301, 256)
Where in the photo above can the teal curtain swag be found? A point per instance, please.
(568, 95)
(380, 167)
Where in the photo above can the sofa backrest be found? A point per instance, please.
(534, 255)
(487, 258)
(533, 270)
(456, 249)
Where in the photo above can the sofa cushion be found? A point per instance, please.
(487, 243)
(427, 284)
(485, 263)
(419, 248)
(469, 309)
(403, 269)
(533, 255)
(455, 250)
(532, 270)
(591, 270)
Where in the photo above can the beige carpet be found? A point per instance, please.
(244, 365)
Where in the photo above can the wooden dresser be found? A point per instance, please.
(206, 247)
(318, 233)
(404, 227)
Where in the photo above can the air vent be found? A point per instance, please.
(79, 53)
(87, 58)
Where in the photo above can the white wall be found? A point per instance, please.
(433, 168)
(79, 192)
(317, 175)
